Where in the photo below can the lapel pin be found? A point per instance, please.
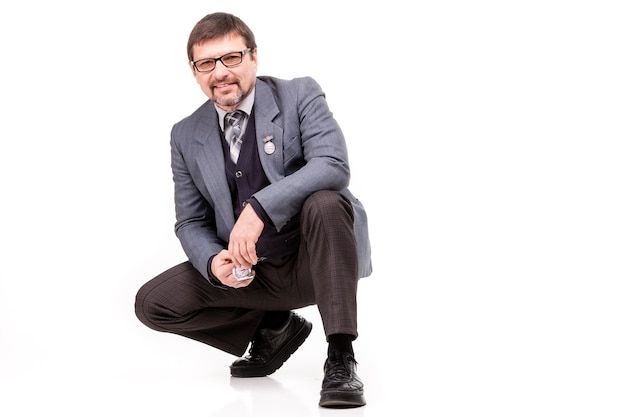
(269, 146)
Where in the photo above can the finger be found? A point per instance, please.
(245, 257)
(235, 253)
(251, 252)
(233, 247)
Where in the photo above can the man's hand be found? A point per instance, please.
(243, 238)
(222, 269)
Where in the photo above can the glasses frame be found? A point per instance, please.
(219, 59)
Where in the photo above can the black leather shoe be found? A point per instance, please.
(341, 387)
(270, 348)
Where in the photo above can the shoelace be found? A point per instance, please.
(258, 347)
(340, 368)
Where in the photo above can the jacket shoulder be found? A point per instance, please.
(281, 84)
(201, 119)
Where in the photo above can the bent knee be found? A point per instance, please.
(149, 311)
(327, 202)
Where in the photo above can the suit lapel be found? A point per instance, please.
(266, 109)
(214, 174)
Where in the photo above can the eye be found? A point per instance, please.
(205, 64)
(231, 59)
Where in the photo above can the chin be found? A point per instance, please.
(231, 99)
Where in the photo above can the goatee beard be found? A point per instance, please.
(236, 100)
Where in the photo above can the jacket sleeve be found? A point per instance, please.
(195, 218)
(315, 153)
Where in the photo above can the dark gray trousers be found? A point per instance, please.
(323, 272)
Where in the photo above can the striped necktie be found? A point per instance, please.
(232, 132)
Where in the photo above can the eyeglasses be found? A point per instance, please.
(231, 59)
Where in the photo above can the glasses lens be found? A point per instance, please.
(232, 59)
(205, 65)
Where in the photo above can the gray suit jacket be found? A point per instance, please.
(310, 155)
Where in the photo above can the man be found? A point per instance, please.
(264, 216)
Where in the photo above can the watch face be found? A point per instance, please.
(242, 273)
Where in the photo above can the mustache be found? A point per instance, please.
(224, 81)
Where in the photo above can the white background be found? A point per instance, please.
(486, 140)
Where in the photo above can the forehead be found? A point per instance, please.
(213, 48)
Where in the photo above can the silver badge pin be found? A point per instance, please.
(269, 146)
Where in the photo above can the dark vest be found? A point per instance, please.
(246, 178)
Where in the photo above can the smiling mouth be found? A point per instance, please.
(220, 86)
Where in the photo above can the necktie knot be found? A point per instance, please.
(234, 118)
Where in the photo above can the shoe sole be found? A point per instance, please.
(334, 399)
(275, 363)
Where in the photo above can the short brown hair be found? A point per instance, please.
(217, 25)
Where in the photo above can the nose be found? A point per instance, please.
(220, 69)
